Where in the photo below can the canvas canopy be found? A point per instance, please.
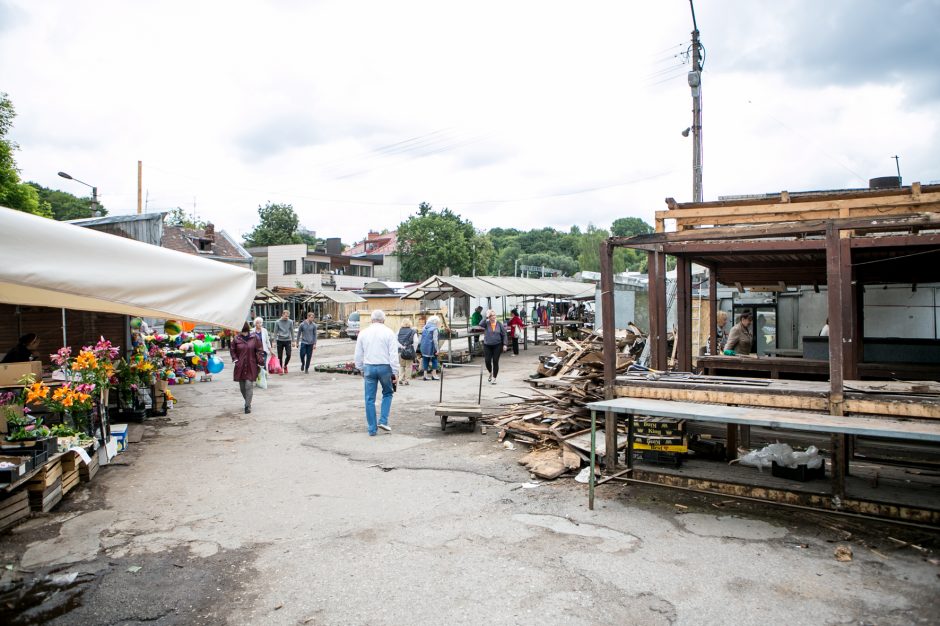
(266, 296)
(443, 287)
(53, 264)
(340, 297)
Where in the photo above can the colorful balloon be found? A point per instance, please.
(196, 360)
(172, 327)
(215, 365)
(136, 322)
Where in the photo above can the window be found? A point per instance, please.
(309, 267)
(290, 267)
(323, 268)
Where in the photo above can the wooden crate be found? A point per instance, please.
(46, 499)
(46, 476)
(87, 472)
(14, 508)
(69, 480)
(70, 461)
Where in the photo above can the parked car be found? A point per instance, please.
(352, 325)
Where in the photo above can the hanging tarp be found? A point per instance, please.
(53, 264)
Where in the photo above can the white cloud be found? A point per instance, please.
(356, 112)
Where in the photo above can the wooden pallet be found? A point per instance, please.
(13, 508)
(69, 480)
(46, 476)
(794, 208)
(45, 500)
(87, 472)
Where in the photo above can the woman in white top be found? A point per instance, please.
(262, 333)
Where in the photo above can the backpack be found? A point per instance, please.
(427, 341)
(407, 350)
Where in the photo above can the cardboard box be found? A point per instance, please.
(119, 434)
(11, 373)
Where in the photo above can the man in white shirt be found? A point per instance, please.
(377, 359)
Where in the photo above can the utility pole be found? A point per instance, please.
(140, 184)
(695, 83)
(897, 162)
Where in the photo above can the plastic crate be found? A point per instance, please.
(656, 457)
(801, 473)
(24, 464)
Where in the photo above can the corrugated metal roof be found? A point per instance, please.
(341, 297)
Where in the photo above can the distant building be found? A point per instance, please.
(383, 248)
(313, 269)
(205, 242)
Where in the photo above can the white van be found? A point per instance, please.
(352, 325)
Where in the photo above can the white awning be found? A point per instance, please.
(341, 297)
(53, 264)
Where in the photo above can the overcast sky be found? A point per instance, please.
(512, 113)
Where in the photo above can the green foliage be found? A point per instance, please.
(630, 226)
(431, 242)
(66, 206)
(278, 226)
(589, 248)
(550, 260)
(179, 217)
(14, 193)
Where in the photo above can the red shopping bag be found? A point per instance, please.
(274, 366)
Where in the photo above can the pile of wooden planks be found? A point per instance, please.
(554, 418)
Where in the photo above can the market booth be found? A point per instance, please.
(53, 266)
(877, 411)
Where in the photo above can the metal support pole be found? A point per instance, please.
(695, 84)
(591, 479)
(608, 322)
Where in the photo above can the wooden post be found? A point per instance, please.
(683, 314)
(839, 285)
(609, 325)
(713, 311)
(140, 185)
(658, 290)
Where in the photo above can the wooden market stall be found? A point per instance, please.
(847, 241)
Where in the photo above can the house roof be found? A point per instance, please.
(220, 246)
(374, 244)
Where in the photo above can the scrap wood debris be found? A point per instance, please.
(554, 414)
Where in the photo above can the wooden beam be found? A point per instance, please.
(794, 215)
(812, 197)
(713, 311)
(660, 343)
(683, 315)
(608, 323)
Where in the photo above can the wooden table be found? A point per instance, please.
(782, 367)
(886, 427)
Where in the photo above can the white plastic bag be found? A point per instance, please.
(783, 454)
(262, 380)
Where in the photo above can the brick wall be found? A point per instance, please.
(83, 327)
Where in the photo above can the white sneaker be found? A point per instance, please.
(489, 379)
(385, 427)
(493, 382)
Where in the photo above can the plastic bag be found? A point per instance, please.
(783, 454)
(274, 366)
(262, 380)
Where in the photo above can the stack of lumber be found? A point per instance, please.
(554, 415)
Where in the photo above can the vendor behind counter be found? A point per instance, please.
(24, 350)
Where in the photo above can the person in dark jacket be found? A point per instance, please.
(494, 344)
(740, 339)
(406, 351)
(248, 359)
(23, 350)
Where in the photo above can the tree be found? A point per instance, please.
(431, 242)
(66, 206)
(550, 260)
(14, 193)
(630, 226)
(278, 226)
(589, 256)
(179, 217)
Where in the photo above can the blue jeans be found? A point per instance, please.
(306, 355)
(375, 374)
(429, 360)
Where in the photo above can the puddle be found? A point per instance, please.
(611, 540)
(730, 527)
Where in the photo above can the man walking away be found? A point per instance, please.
(307, 340)
(377, 359)
(283, 334)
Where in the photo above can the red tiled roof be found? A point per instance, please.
(185, 240)
(375, 244)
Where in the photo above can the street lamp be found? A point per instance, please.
(94, 190)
